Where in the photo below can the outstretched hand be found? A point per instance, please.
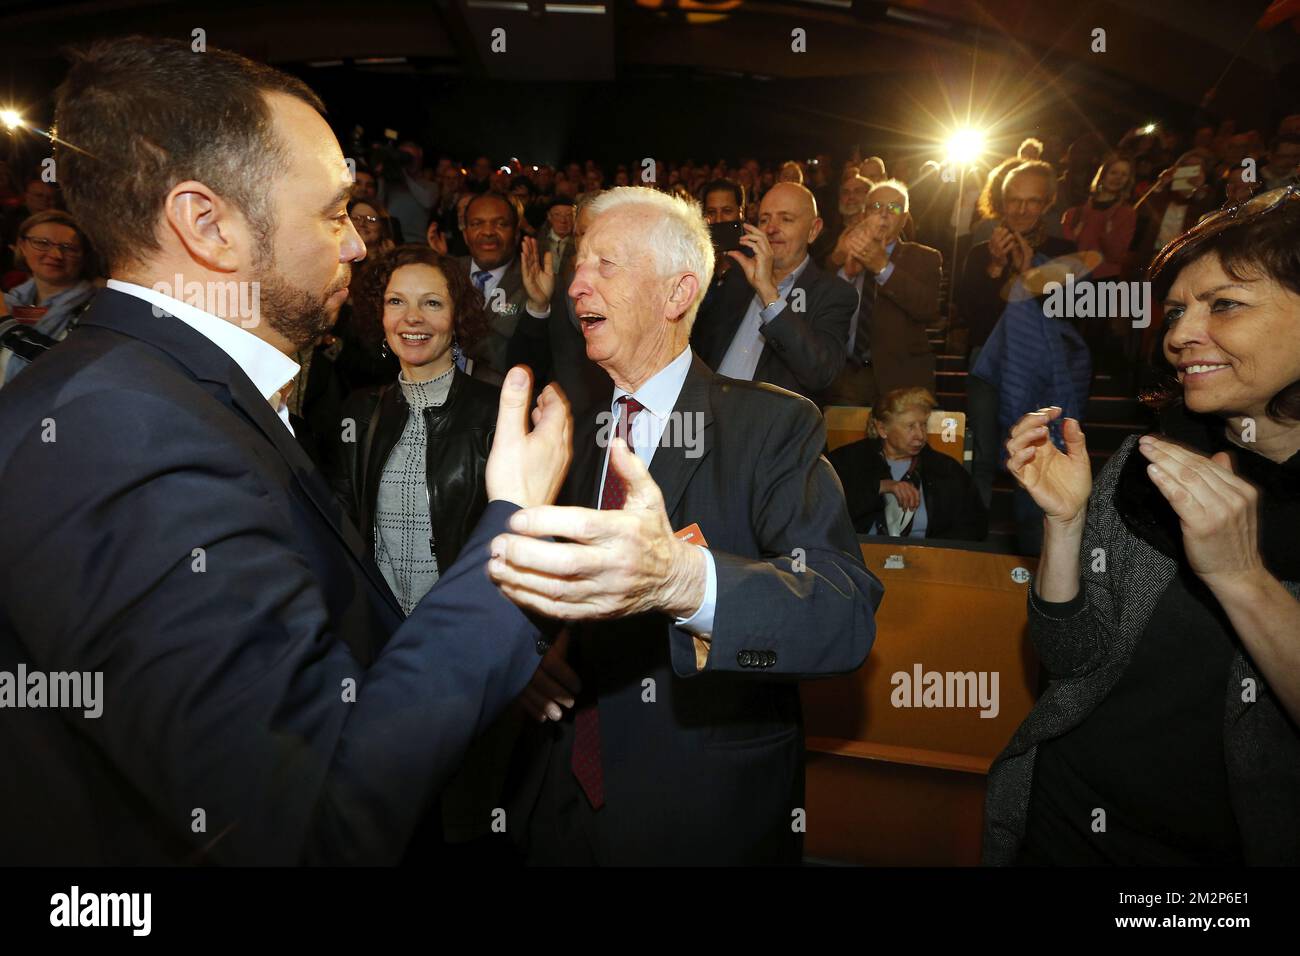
(613, 564)
(528, 467)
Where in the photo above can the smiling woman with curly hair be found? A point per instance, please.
(412, 456)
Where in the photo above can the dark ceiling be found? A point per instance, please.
(730, 69)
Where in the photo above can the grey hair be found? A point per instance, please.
(898, 186)
(679, 240)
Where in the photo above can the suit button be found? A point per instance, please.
(542, 645)
(743, 658)
(771, 658)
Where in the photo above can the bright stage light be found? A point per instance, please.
(965, 146)
(11, 119)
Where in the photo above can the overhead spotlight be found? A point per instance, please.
(964, 146)
(11, 119)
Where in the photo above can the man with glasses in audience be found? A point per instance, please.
(1028, 190)
(898, 293)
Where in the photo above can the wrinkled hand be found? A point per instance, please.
(554, 686)
(539, 280)
(758, 267)
(1058, 483)
(528, 467)
(1218, 511)
(614, 563)
(905, 493)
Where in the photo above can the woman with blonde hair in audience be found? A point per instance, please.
(896, 484)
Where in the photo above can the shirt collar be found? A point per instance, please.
(496, 273)
(659, 394)
(788, 282)
(269, 369)
(891, 247)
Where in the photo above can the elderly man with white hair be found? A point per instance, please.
(720, 568)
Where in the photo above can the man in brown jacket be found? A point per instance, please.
(887, 347)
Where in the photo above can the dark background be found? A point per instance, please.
(710, 78)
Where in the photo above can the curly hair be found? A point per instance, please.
(469, 321)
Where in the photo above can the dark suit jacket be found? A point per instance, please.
(905, 306)
(711, 770)
(505, 309)
(176, 538)
(804, 350)
(953, 506)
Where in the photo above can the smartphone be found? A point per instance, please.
(726, 236)
(1186, 172)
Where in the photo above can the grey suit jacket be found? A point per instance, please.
(1086, 654)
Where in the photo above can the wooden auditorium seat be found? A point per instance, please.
(945, 431)
(904, 785)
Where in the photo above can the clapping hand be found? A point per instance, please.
(539, 279)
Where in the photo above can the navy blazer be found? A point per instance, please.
(264, 701)
(710, 770)
(804, 347)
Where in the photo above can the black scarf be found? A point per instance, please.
(1150, 517)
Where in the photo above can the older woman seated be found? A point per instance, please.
(896, 484)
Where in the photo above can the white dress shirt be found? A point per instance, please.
(269, 369)
(658, 397)
(741, 358)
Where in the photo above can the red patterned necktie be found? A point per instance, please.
(585, 762)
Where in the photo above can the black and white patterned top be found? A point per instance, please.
(403, 531)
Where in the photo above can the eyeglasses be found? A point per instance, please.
(45, 245)
(360, 220)
(1259, 205)
(1034, 203)
(894, 208)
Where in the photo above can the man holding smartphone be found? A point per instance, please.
(778, 318)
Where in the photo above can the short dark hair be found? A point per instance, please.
(468, 319)
(510, 201)
(724, 185)
(139, 114)
(1249, 247)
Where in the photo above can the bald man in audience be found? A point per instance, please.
(778, 318)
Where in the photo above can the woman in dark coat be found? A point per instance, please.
(894, 476)
(1166, 607)
(411, 460)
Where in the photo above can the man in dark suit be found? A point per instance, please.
(496, 269)
(263, 700)
(778, 318)
(684, 744)
(898, 283)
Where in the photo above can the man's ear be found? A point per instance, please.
(212, 231)
(683, 294)
(816, 230)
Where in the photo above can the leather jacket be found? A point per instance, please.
(460, 433)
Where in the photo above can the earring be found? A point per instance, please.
(457, 356)
(384, 353)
